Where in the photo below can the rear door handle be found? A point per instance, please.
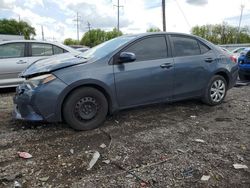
(209, 60)
(166, 65)
(21, 62)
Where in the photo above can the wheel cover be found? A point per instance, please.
(86, 108)
(218, 90)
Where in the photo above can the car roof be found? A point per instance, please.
(166, 33)
(37, 41)
(211, 45)
(157, 33)
(40, 41)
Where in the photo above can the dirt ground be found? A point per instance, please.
(153, 146)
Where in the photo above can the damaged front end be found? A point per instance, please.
(36, 98)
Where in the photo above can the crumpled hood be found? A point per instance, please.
(53, 63)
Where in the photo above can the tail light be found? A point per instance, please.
(233, 59)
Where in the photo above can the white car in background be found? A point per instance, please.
(17, 55)
(236, 52)
(82, 49)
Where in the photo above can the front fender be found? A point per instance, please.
(104, 88)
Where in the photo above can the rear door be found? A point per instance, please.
(193, 61)
(39, 51)
(13, 61)
(149, 78)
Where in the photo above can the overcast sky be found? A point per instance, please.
(136, 16)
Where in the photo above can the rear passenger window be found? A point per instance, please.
(39, 49)
(185, 46)
(204, 48)
(57, 50)
(149, 48)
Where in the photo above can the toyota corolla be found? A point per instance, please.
(124, 72)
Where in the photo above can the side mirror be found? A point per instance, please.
(126, 57)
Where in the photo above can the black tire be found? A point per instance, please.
(85, 109)
(207, 98)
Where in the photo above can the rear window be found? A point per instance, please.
(204, 49)
(185, 46)
(39, 49)
(57, 50)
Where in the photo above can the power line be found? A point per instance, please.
(183, 14)
(118, 14)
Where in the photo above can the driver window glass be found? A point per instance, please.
(12, 50)
(149, 48)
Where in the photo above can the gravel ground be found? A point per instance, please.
(153, 146)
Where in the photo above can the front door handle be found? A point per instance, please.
(21, 62)
(209, 60)
(166, 65)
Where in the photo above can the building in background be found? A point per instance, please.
(10, 37)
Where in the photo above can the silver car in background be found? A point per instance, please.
(17, 55)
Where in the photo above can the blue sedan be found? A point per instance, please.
(125, 72)
(244, 64)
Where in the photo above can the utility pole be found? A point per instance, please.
(19, 19)
(163, 16)
(88, 26)
(118, 14)
(42, 33)
(241, 12)
(77, 25)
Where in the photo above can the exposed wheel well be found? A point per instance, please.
(224, 75)
(99, 88)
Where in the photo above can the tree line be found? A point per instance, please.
(217, 33)
(222, 33)
(94, 37)
(13, 27)
(98, 36)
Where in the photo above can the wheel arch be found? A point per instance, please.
(224, 74)
(99, 86)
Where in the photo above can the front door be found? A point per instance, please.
(149, 78)
(12, 63)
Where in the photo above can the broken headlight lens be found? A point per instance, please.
(40, 80)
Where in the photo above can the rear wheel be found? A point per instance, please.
(85, 109)
(215, 91)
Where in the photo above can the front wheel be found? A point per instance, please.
(215, 91)
(85, 109)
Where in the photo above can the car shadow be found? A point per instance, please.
(7, 90)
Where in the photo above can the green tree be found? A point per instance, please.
(112, 34)
(70, 41)
(98, 36)
(12, 27)
(153, 29)
(222, 33)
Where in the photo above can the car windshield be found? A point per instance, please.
(107, 47)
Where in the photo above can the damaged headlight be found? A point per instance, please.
(40, 80)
